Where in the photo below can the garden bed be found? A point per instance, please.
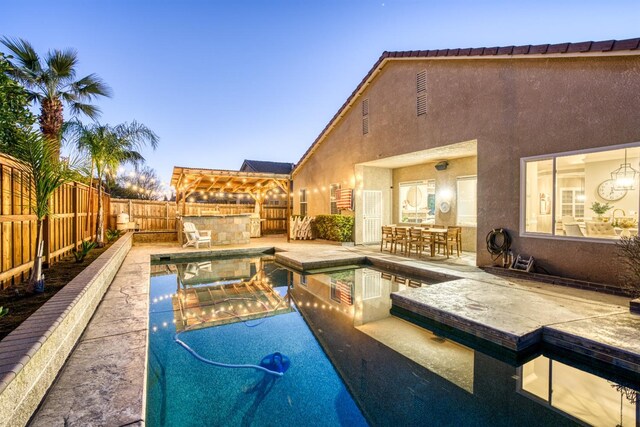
(21, 305)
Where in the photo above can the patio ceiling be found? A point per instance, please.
(447, 152)
(187, 181)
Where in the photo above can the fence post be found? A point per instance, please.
(166, 218)
(76, 208)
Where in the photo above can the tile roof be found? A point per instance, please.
(266, 167)
(580, 48)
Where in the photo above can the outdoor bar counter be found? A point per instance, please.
(232, 229)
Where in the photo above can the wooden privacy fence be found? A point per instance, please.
(68, 224)
(152, 215)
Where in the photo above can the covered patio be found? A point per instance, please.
(432, 189)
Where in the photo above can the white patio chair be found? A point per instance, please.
(195, 237)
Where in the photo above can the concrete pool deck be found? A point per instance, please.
(103, 381)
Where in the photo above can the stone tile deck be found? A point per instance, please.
(103, 381)
(613, 339)
(509, 315)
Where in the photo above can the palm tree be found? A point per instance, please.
(108, 147)
(45, 174)
(52, 82)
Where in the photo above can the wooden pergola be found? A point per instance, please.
(219, 183)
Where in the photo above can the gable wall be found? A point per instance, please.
(514, 108)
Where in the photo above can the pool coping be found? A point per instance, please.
(32, 355)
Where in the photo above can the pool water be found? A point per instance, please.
(351, 362)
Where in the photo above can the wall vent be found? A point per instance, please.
(421, 93)
(365, 116)
(422, 104)
(421, 81)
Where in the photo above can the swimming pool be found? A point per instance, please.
(351, 362)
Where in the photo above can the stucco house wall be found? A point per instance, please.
(514, 107)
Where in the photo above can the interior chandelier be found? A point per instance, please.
(624, 178)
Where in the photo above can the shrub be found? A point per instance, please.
(629, 251)
(113, 235)
(85, 248)
(334, 227)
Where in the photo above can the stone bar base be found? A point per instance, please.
(225, 229)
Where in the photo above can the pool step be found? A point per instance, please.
(319, 259)
(521, 319)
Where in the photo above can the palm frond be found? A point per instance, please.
(90, 87)
(89, 110)
(62, 63)
(25, 54)
(138, 134)
(43, 170)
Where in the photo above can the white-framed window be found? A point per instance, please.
(333, 199)
(467, 201)
(561, 193)
(303, 202)
(418, 202)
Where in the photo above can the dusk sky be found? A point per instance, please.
(220, 82)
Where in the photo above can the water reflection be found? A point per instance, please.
(397, 372)
(578, 394)
(213, 293)
(433, 380)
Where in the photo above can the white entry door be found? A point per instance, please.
(372, 216)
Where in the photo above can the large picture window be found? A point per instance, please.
(588, 194)
(418, 202)
(467, 201)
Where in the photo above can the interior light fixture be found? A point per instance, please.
(624, 178)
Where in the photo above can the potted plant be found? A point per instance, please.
(600, 209)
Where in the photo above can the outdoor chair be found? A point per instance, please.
(415, 241)
(387, 239)
(441, 242)
(401, 238)
(454, 238)
(195, 237)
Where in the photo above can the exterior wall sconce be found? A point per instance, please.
(440, 166)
